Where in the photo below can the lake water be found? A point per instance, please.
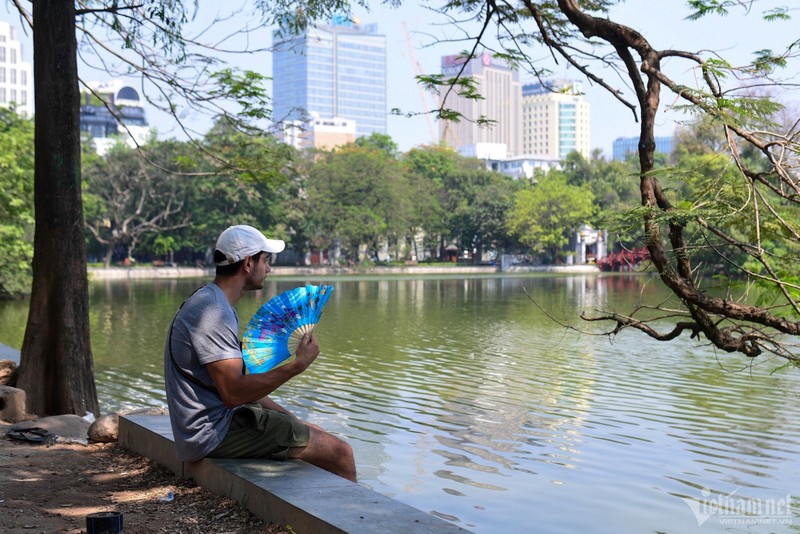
(463, 398)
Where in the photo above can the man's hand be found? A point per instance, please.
(307, 352)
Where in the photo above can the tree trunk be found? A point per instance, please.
(56, 369)
(108, 255)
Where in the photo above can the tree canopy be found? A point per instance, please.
(16, 203)
(545, 216)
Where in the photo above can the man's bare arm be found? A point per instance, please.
(236, 388)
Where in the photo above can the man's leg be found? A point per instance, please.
(327, 452)
(259, 432)
(323, 450)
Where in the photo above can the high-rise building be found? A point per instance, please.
(501, 90)
(555, 119)
(623, 146)
(16, 75)
(113, 111)
(336, 71)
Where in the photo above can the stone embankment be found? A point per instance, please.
(143, 273)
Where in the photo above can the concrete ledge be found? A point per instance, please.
(293, 493)
(148, 273)
(555, 269)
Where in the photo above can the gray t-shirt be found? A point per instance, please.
(206, 329)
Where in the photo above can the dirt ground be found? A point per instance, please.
(52, 489)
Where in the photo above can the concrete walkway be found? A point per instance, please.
(293, 493)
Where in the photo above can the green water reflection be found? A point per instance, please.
(464, 399)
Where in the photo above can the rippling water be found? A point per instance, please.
(461, 397)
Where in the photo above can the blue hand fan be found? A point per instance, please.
(273, 334)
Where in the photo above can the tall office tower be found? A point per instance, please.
(501, 90)
(336, 71)
(555, 119)
(16, 76)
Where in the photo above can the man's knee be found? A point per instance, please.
(336, 447)
(329, 452)
(343, 448)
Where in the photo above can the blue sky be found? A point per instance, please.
(735, 36)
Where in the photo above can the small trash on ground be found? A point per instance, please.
(33, 434)
(169, 497)
(69, 440)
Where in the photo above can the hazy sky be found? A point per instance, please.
(662, 22)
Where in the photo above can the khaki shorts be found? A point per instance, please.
(257, 432)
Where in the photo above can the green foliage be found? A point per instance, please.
(706, 7)
(378, 141)
(168, 15)
(164, 244)
(250, 155)
(293, 17)
(128, 197)
(462, 86)
(456, 200)
(425, 169)
(356, 196)
(766, 62)
(777, 13)
(244, 179)
(721, 7)
(246, 89)
(477, 204)
(545, 215)
(16, 204)
(708, 191)
(175, 198)
(615, 189)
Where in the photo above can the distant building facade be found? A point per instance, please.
(524, 166)
(495, 157)
(555, 119)
(334, 71)
(16, 75)
(319, 133)
(501, 90)
(484, 151)
(624, 146)
(100, 124)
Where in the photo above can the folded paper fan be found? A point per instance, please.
(273, 334)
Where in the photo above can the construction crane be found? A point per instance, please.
(423, 96)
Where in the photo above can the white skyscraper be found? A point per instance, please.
(555, 119)
(16, 75)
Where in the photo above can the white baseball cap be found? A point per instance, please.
(241, 240)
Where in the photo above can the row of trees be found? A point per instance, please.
(168, 200)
